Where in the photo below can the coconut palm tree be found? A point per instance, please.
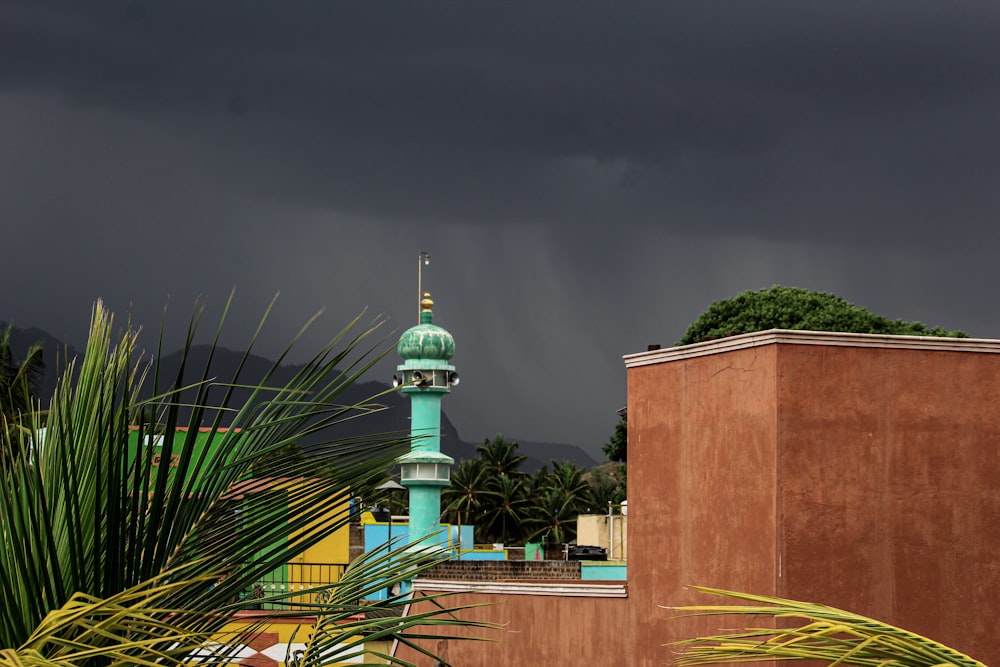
(108, 558)
(499, 457)
(507, 510)
(536, 483)
(553, 519)
(828, 635)
(20, 381)
(469, 493)
(566, 480)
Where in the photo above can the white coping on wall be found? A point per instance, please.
(788, 337)
(586, 589)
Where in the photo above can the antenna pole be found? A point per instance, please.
(423, 260)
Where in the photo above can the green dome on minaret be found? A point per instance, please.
(426, 340)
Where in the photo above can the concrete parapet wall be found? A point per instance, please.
(473, 570)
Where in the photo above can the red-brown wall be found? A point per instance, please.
(890, 487)
(538, 630)
(857, 471)
(701, 485)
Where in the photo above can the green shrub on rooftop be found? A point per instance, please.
(796, 308)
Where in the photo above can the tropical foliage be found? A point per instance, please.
(608, 483)
(795, 308)
(553, 520)
(499, 457)
(616, 449)
(827, 635)
(507, 505)
(469, 493)
(110, 558)
(19, 385)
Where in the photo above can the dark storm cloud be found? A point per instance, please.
(579, 110)
(589, 176)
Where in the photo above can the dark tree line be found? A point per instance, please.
(506, 504)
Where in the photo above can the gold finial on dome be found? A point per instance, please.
(426, 304)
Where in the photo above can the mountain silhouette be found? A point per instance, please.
(393, 418)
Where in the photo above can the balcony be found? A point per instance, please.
(295, 577)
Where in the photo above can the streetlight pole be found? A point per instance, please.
(389, 488)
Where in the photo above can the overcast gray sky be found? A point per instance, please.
(588, 176)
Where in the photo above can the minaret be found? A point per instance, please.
(425, 376)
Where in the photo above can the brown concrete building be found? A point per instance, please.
(854, 470)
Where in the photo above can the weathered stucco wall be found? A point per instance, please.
(884, 478)
(890, 487)
(539, 630)
(702, 478)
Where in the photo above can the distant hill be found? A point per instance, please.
(54, 352)
(543, 453)
(395, 418)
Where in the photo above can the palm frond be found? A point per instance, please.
(140, 480)
(347, 627)
(130, 628)
(830, 635)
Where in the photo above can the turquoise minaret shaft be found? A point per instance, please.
(426, 376)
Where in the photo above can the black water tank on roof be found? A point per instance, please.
(582, 552)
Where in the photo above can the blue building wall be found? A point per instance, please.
(377, 536)
(593, 570)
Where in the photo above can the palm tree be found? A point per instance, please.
(829, 635)
(505, 516)
(536, 484)
(19, 387)
(559, 498)
(567, 481)
(499, 457)
(108, 558)
(505, 507)
(469, 493)
(553, 520)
